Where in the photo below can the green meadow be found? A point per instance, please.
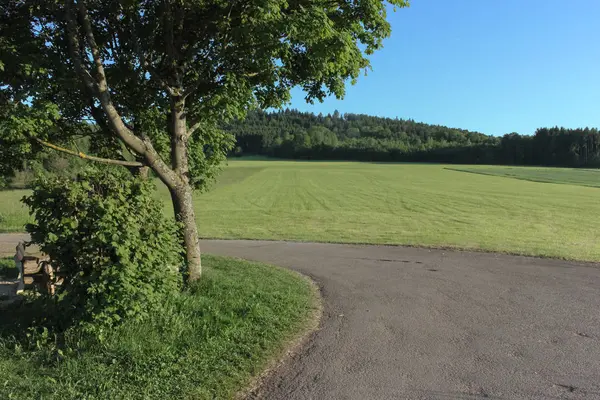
(568, 176)
(548, 212)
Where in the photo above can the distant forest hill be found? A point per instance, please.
(299, 135)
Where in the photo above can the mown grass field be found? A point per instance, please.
(567, 176)
(13, 214)
(207, 343)
(410, 204)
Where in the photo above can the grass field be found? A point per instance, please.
(206, 344)
(13, 214)
(568, 176)
(410, 204)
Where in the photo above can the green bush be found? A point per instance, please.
(107, 235)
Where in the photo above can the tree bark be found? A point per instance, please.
(181, 194)
(184, 212)
(176, 176)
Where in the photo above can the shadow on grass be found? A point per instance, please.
(205, 343)
(26, 317)
(23, 316)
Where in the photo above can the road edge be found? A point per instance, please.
(292, 347)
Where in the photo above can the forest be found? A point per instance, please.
(291, 134)
(300, 135)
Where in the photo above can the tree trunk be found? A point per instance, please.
(184, 213)
(181, 193)
(176, 176)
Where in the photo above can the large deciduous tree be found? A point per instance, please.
(149, 81)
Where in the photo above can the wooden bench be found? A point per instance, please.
(38, 273)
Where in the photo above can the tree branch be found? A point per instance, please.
(74, 46)
(193, 128)
(87, 156)
(155, 76)
(98, 116)
(141, 146)
(114, 118)
(171, 51)
(207, 86)
(146, 66)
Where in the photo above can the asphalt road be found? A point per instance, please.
(406, 323)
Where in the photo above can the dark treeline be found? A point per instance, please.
(294, 134)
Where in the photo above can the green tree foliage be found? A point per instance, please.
(294, 134)
(108, 237)
(291, 133)
(157, 78)
(560, 146)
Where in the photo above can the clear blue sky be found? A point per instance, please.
(494, 66)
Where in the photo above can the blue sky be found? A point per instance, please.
(494, 66)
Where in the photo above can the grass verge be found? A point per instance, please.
(209, 342)
(7, 268)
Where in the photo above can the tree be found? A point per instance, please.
(319, 135)
(156, 77)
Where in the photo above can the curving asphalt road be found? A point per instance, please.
(407, 323)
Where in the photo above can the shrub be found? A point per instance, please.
(108, 237)
(4, 181)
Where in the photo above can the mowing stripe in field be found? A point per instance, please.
(414, 204)
(410, 204)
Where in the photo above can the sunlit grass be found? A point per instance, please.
(207, 343)
(13, 213)
(411, 204)
(568, 176)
